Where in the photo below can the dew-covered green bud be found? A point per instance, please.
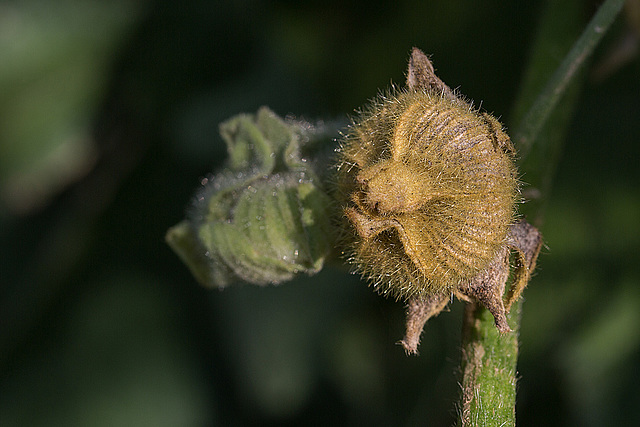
(264, 217)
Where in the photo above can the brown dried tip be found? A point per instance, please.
(421, 75)
(488, 287)
(526, 241)
(419, 310)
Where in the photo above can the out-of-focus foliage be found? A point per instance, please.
(55, 60)
(112, 108)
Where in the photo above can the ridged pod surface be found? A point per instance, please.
(429, 188)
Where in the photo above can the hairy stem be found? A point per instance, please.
(488, 369)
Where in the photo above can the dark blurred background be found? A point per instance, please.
(108, 120)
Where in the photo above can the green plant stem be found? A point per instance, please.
(488, 363)
(546, 102)
(488, 369)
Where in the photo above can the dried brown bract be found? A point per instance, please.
(429, 189)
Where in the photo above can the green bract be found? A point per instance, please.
(263, 218)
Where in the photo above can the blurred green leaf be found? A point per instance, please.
(55, 59)
(114, 362)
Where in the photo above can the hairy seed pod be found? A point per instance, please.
(429, 187)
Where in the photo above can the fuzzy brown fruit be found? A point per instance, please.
(429, 191)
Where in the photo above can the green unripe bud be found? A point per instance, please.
(263, 218)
